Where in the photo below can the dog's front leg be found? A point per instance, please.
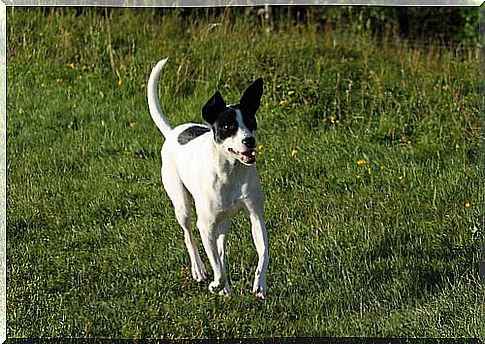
(210, 234)
(223, 231)
(260, 238)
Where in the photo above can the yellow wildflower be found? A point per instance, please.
(294, 152)
(361, 162)
(284, 102)
(468, 205)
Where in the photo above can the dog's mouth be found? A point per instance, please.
(247, 157)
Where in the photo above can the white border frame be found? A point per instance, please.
(141, 3)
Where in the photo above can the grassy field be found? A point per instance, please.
(369, 158)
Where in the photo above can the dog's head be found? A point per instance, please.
(234, 126)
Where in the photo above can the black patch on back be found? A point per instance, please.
(226, 125)
(191, 133)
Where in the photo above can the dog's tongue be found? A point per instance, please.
(247, 157)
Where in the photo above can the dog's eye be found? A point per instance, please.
(229, 127)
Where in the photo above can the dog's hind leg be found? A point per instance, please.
(180, 198)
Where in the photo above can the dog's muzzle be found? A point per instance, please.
(247, 157)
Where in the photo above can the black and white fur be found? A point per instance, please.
(215, 164)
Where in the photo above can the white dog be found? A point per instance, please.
(215, 165)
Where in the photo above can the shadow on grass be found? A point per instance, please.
(427, 267)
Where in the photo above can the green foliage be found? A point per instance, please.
(369, 159)
(421, 25)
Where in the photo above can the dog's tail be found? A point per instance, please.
(153, 103)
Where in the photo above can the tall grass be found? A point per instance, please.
(369, 160)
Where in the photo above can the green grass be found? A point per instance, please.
(373, 220)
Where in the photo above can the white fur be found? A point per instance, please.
(219, 185)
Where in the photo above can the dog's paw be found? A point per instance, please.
(219, 289)
(259, 292)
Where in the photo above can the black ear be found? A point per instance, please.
(213, 107)
(251, 97)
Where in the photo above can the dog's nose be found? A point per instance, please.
(249, 142)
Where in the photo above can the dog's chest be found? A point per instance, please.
(222, 198)
(228, 196)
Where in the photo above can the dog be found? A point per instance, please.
(215, 165)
